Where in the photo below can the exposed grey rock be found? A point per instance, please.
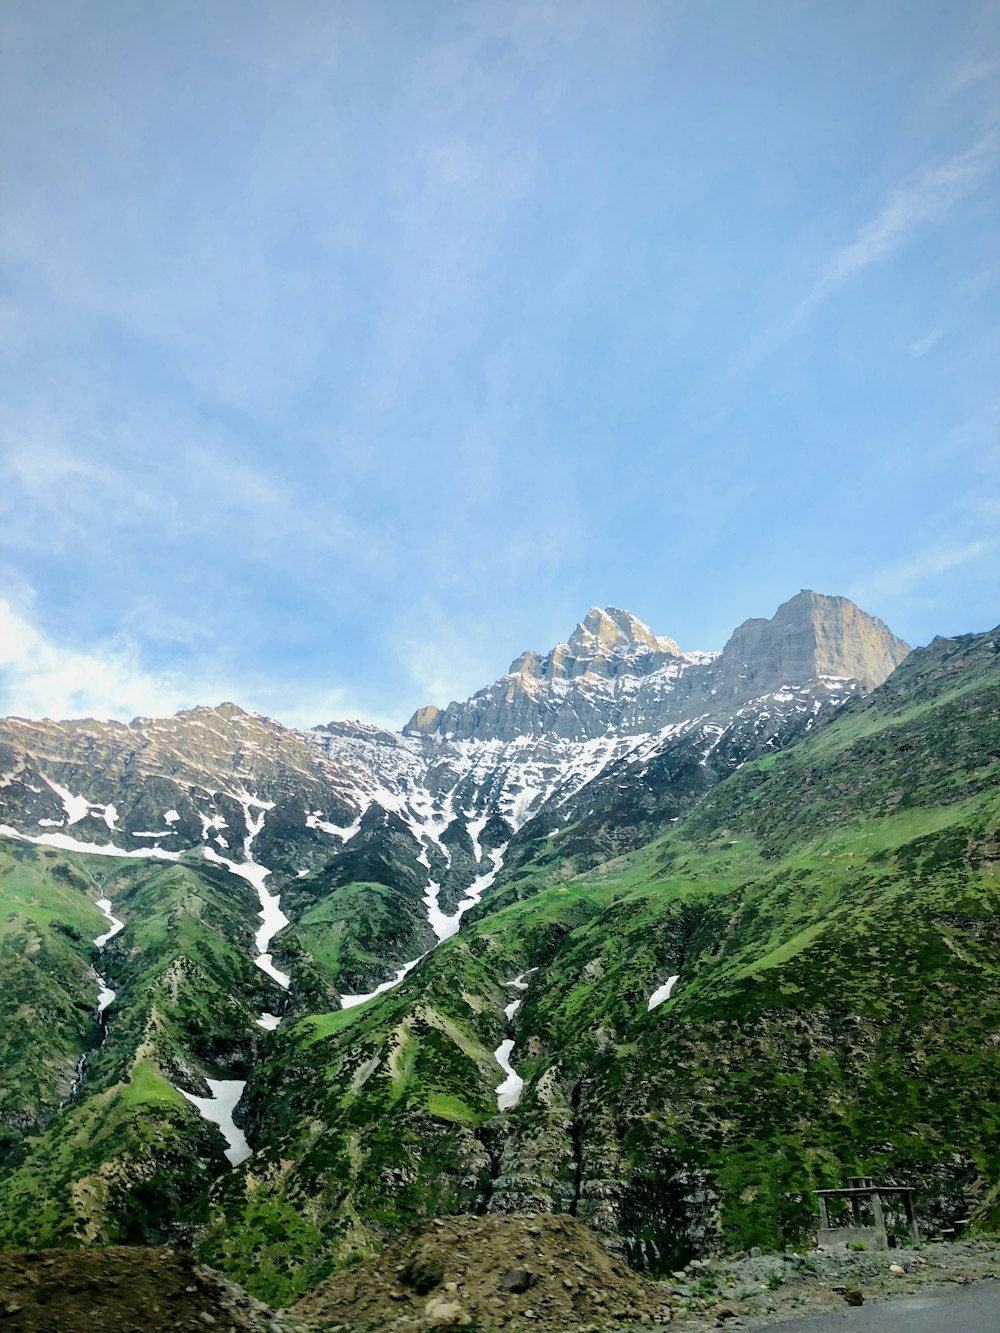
(614, 731)
(615, 675)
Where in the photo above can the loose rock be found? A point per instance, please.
(121, 1289)
(567, 1280)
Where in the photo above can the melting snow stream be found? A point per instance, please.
(226, 1093)
(105, 995)
(509, 1091)
(443, 925)
(272, 917)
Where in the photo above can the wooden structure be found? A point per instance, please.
(864, 1197)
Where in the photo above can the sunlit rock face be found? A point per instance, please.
(614, 675)
(811, 637)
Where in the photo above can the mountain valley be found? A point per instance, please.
(661, 940)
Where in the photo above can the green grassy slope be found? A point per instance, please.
(831, 910)
(127, 1159)
(833, 915)
(47, 999)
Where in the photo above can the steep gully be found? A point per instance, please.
(105, 995)
(509, 1091)
(226, 1093)
(424, 823)
(219, 1108)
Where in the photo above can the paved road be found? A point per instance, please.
(972, 1309)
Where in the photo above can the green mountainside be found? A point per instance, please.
(127, 1158)
(831, 911)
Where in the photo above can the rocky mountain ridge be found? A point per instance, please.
(386, 866)
(615, 675)
(616, 699)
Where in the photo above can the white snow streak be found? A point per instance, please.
(518, 983)
(314, 820)
(662, 992)
(105, 995)
(349, 1001)
(76, 807)
(65, 843)
(219, 1109)
(104, 905)
(509, 1091)
(272, 917)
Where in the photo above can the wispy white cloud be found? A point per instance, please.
(974, 73)
(922, 201)
(67, 489)
(927, 199)
(444, 658)
(923, 567)
(925, 344)
(43, 677)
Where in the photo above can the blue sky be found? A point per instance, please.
(348, 349)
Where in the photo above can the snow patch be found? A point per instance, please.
(65, 843)
(314, 820)
(509, 1091)
(218, 1109)
(518, 983)
(76, 807)
(105, 995)
(104, 905)
(443, 926)
(349, 1001)
(210, 823)
(662, 992)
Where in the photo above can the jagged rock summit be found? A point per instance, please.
(550, 725)
(613, 631)
(615, 675)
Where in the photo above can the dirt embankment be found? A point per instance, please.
(544, 1273)
(122, 1289)
(759, 1291)
(529, 1274)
